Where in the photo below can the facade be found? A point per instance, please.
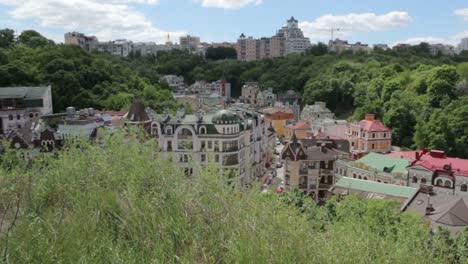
(278, 118)
(176, 83)
(463, 45)
(18, 105)
(220, 88)
(289, 39)
(88, 43)
(150, 48)
(49, 132)
(310, 168)
(189, 42)
(381, 46)
(316, 111)
(340, 46)
(433, 168)
(301, 129)
(236, 139)
(249, 92)
(442, 49)
(266, 98)
(369, 135)
(294, 39)
(374, 167)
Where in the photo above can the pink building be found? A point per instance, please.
(369, 135)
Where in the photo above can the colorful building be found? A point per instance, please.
(433, 168)
(301, 129)
(369, 135)
(375, 167)
(278, 118)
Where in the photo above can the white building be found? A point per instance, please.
(442, 49)
(203, 88)
(463, 45)
(189, 42)
(176, 83)
(236, 139)
(19, 105)
(295, 42)
(323, 122)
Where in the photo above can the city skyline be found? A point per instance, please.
(224, 20)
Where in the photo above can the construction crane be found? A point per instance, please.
(332, 31)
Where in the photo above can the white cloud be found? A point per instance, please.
(319, 29)
(462, 12)
(107, 19)
(229, 4)
(451, 40)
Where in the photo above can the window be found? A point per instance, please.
(373, 135)
(373, 146)
(330, 180)
(203, 157)
(463, 188)
(365, 178)
(202, 130)
(210, 144)
(354, 175)
(10, 117)
(31, 115)
(352, 144)
(448, 184)
(423, 180)
(415, 179)
(224, 130)
(18, 117)
(385, 135)
(439, 182)
(360, 177)
(217, 158)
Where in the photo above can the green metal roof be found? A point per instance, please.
(376, 187)
(385, 163)
(23, 92)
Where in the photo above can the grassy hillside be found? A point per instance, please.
(115, 204)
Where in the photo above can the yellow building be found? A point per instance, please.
(277, 117)
(301, 128)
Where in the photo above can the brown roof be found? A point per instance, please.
(272, 110)
(137, 112)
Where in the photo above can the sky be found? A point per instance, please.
(368, 21)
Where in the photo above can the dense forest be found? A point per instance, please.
(423, 98)
(115, 203)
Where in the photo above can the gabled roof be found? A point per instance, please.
(376, 187)
(385, 163)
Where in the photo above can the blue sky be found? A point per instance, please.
(369, 21)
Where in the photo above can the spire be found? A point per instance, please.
(168, 40)
(294, 141)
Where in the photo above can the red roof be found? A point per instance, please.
(301, 125)
(434, 160)
(373, 126)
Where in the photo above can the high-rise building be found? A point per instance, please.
(189, 42)
(295, 42)
(88, 43)
(463, 45)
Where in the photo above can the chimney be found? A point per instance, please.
(429, 209)
(370, 117)
(417, 156)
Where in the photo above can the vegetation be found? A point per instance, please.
(116, 203)
(410, 90)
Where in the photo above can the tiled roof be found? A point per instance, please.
(23, 92)
(373, 126)
(434, 160)
(385, 163)
(376, 187)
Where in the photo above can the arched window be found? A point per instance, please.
(463, 188)
(31, 115)
(202, 130)
(365, 178)
(168, 130)
(423, 180)
(354, 175)
(448, 184)
(360, 177)
(439, 182)
(415, 179)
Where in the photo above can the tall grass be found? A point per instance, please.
(116, 203)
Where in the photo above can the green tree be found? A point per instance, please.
(7, 38)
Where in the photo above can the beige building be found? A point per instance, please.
(189, 42)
